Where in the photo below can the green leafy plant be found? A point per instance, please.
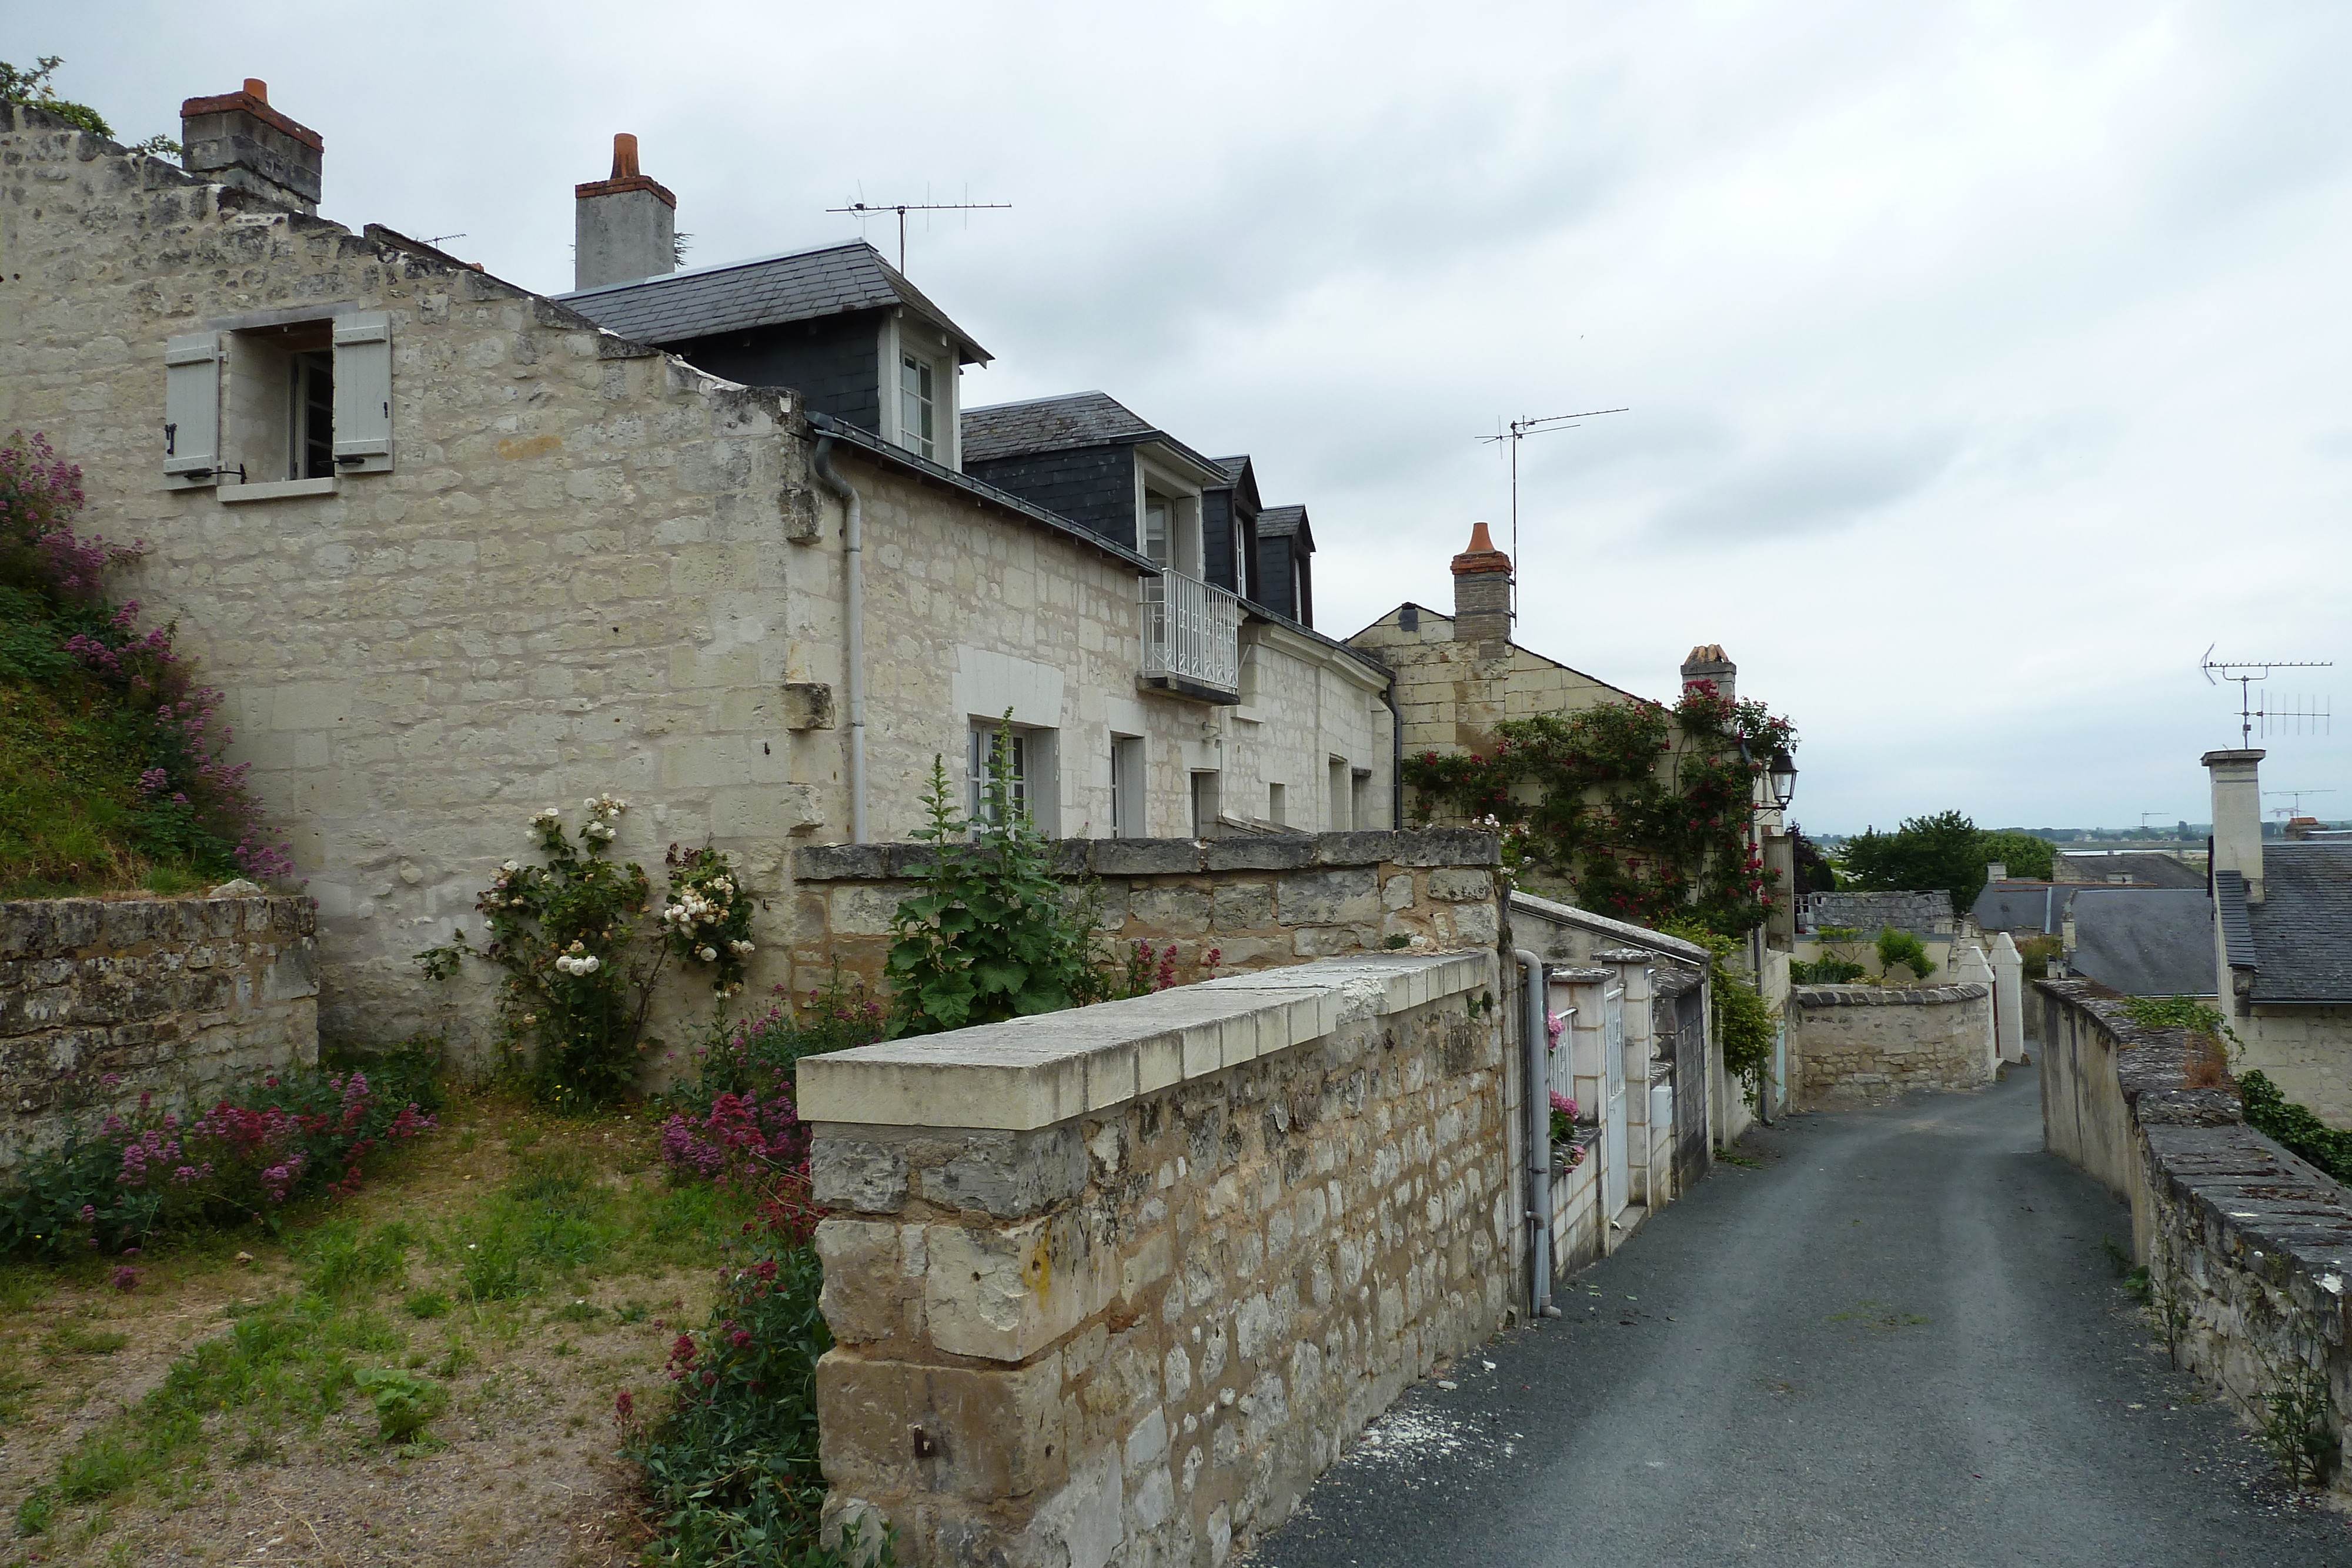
(1839, 963)
(19, 85)
(405, 1403)
(1643, 810)
(1905, 949)
(2297, 1419)
(992, 933)
(2269, 1111)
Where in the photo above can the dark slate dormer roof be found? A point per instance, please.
(1065, 424)
(2146, 942)
(2301, 932)
(1241, 479)
(1287, 522)
(768, 291)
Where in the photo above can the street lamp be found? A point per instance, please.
(1784, 778)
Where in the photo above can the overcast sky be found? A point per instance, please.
(1986, 362)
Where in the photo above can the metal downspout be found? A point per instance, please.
(1538, 1080)
(853, 547)
(1396, 754)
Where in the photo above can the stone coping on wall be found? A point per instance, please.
(1883, 997)
(1034, 1072)
(1161, 857)
(66, 927)
(1640, 936)
(2151, 1064)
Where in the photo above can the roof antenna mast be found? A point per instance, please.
(2276, 715)
(1519, 430)
(869, 209)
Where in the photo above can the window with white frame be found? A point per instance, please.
(1158, 526)
(1278, 810)
(917, 405)
(1027, 757)
(309, 399)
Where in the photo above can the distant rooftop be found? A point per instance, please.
(766, 292)
(2145, 941)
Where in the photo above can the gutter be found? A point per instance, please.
(853, 546)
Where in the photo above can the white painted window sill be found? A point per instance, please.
(283, 490)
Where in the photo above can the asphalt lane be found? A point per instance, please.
(1896, 1340)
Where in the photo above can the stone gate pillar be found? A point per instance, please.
(2008, 997)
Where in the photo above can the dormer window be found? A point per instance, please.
(1159, 513)
(918, 411)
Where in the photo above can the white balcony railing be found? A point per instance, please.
(1192, 632)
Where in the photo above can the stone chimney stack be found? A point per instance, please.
(626, 227)
(2238, 816)
(1709, 663)
(238, 139)
(1481, 592)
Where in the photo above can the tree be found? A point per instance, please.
(2027, 857)
(1944, 851)
(1814, 873)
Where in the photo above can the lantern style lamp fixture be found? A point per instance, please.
(1783, 769)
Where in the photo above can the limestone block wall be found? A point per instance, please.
(1858, 1045)
(171, 996)
(1261, 903)
(1116, 1284)
(2248, 1243)
(2306, 1051)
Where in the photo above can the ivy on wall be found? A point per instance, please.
(1642, 811)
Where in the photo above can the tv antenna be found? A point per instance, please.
(1519, 430)
(873, 209)
(2273, 716)
(2294, 808)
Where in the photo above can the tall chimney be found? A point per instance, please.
(1709, 663)
(1482, 591)
(238, 139)
(2238, 816)
(626, 227)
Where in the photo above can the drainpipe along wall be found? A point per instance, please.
(1535, 1075)
(853, 549)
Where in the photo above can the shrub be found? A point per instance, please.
(1903, 948)
(1744, 1026)
(242, 1160)
(2294, 1127)
(405, 1403)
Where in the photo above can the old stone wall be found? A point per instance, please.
(1117, 1283)
(168, 996)
(1858, 1045)
(2246, 1246)
(1867, 914)
(2306, 1051)
(1259, 901)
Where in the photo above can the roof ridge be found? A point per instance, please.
(711, 268)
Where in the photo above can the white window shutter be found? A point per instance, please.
(191, 409)
(363, 392)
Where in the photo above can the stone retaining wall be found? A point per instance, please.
(1859, 1045)
(170, 996)
(1117, 1283)
(2253, 1244)
(1261, 903)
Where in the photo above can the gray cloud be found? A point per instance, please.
(1791, 494)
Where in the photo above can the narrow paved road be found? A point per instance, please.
(1898, 1341)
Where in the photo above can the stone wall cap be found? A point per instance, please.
(1568, 914)
(1882, 997)
(1584, 975)
(1034, 1073)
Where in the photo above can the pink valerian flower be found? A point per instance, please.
(126, 1279)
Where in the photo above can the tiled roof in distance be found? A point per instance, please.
(799, 286)
(1050, 424)
(2302, 927)
(2146, 941)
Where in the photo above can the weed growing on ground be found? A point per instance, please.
(2297, 1416)
(2118, 1259)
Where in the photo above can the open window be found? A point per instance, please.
(918, 405)
(1030, 770)
(287, 401)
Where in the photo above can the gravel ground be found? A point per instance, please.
(1898, 1341)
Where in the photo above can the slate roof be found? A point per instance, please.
(2146, 942)
(2301, 930)
(2145, 871)
(2230, 908)
(2038, 908)
(1063, 423)
(1283, 522)
(767, 291)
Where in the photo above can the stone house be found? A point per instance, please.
(2282, 934)
(456, 551)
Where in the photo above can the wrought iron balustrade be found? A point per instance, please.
(1191, 634)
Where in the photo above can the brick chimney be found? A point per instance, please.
(238, 139)
(2238, 816)
(1482, 591)
(626, 227)
(1708, 662)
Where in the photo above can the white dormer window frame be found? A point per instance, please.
(1176, 503)
(909, 348)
